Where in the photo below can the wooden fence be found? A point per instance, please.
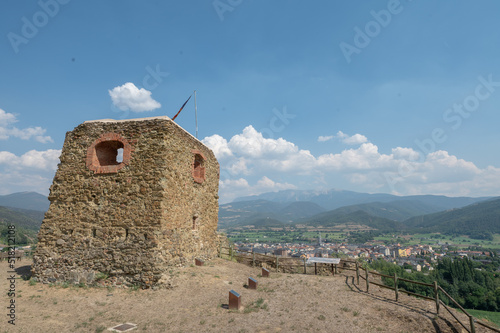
(436, 289)
(281, 264)
(297, 265)
(18, 255)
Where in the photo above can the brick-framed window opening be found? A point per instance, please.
(198, 167)
(108, 154)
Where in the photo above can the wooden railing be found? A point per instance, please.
(283, 264)
(256, 259)
(470, 326)
(19, 255)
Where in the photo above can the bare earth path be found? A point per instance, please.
(282, 303)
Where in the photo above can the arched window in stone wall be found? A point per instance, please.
(108, 154)
(198, 166)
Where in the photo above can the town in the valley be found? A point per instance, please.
(413, 258)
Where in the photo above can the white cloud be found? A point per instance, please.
(18, 181)
(267, 185)
(129, 97)
(252, 144)
(7, 118)
(233, 188)
(355, 139)
(352, 140)
(251, 150)
(218, 145)
(32, 171)
(325, 138)
(239, 166)
(405, 153)
(7, 130)
(402, 171)
(45, 160)
(7, 157)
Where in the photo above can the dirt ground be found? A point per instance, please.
(282, 303)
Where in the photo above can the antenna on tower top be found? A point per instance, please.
(196, 114)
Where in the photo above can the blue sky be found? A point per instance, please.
(388, 96)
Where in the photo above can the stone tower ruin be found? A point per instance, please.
(130, 199)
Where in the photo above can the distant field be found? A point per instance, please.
(493, 317)
(333, 235)
(300, 236)
(434, 238)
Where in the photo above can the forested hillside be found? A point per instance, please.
(27, 224)
(478, 220)
(472, 284)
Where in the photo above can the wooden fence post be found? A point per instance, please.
(396, 286)
(357, 273)
(305, 266)
(277, 264)
(253, 259)
(472, 326)
(367, 280)
(336, 269)
(436, 296)
(231, 249)
(315, 269)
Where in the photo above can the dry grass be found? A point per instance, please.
(282, 303)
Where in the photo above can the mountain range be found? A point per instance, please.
(478, 217)
(25, 200)
(335, 198)
(384, 212)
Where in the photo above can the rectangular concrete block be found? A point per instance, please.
(234, 300)
(265, 272)
(252, 283)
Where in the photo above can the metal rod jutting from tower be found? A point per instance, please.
(196, 114)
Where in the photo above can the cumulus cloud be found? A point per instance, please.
(7, 130)
(352, 140)
(130, 98)
(218, 145)
(405, 153)
(7, 118)
(252, 144)
(252, 150)
(44, 160)
(233, 188)
(32, 171)
(249, 158)
(355, 139)
(18, 181)
(7, 157)
(325, 138)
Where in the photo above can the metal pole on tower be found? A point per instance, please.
(196, 114)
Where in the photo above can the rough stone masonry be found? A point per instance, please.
(130, 199)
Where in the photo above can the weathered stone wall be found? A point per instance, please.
(133, 220)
